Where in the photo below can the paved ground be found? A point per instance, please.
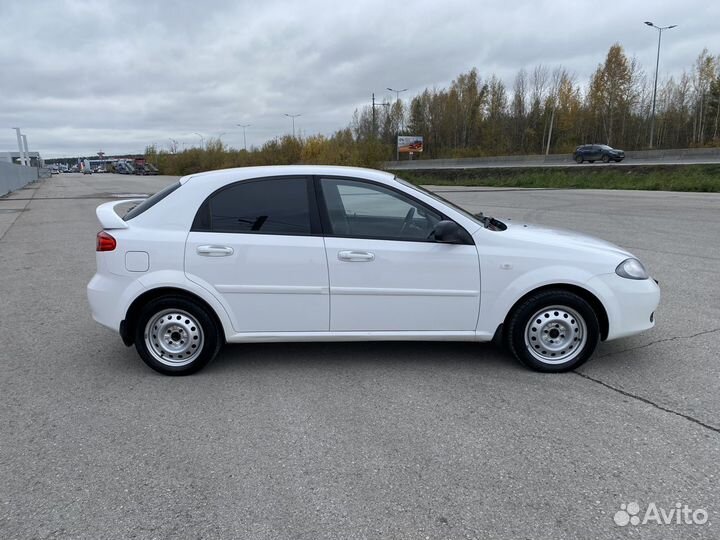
(355, 440)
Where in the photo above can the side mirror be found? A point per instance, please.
(449, 232)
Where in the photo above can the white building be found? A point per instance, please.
(14, 157)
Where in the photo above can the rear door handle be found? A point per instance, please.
(356, 256)
(214, 251)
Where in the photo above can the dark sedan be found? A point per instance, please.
(597, 152)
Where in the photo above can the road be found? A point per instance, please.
(553, 163)
(355, 440)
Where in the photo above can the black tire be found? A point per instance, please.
(198, 336)
(606, 159)
(571, 314)
(579, 159)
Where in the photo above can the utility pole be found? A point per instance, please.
(397, 100)
(202, 140)
(552, 120)
(657, 65)
(243, 126)
(374, 123)
(293, 116)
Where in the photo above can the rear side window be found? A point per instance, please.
(268, 206)
(151, 201)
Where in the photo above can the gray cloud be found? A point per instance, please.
(81, 75)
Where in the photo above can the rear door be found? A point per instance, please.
(257, 245)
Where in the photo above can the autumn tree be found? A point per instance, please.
(611, 94)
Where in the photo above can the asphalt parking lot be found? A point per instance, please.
(380, 440)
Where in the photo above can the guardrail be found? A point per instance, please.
(681, 154)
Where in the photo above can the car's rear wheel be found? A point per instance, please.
(553, 331)
(176, 336)
(579, 159)
(606, 159)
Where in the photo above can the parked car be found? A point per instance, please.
(597, 152)
(304, 253)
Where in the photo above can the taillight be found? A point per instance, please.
(105, 242)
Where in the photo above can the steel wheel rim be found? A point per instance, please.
(555, 334)
(174, 337)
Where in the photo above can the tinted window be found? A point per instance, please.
(151, 201)
(359, 209)
(272, 206)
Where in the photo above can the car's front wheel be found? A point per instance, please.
(176, 336)
(579, 159)
(553, 331)
(606, 159)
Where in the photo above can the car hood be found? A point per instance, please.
(562, 239)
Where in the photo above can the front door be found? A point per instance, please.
(386, 274)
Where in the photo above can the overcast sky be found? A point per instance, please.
(81, 76)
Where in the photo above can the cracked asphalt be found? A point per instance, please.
(355, 440)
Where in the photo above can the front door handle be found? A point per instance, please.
(356, 256)
(214, 251)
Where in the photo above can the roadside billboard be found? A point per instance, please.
(410, 144)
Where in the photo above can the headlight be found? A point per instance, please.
(631, 269)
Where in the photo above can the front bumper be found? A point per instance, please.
(630, 303)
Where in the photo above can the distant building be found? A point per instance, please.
(14, 157)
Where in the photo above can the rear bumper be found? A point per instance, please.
(107, 297)
(630, 303)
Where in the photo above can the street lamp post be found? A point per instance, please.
(657, 65)
(397, 99)
(243, 126)
(27, 153)
(20, 146)
(293, 116)
(202, 140)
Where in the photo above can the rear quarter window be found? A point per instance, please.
(150, 201)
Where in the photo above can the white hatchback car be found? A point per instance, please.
(310, 253)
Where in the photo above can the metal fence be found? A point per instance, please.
(14, 177)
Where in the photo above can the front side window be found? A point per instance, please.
(359, 209)
(268, 206)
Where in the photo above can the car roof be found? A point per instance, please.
(246, 173)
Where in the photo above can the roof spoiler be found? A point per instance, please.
(108, 217)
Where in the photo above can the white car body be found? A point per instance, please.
(265, 287)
